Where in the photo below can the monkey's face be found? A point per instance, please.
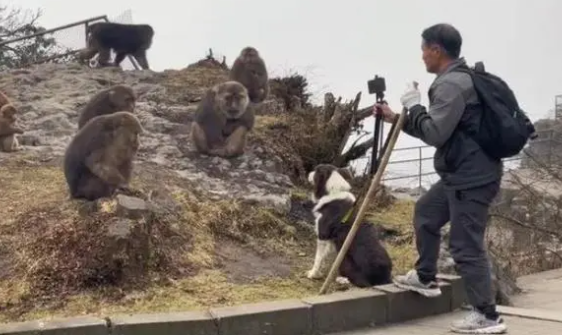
(258, 74)
(9, 113)
(127, 129)
(130, 122)
(233, 100)
(123, 100)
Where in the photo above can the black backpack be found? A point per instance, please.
(504, 128)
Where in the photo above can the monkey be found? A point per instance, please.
(249, 69)
(4, 99)
(8, 129)
(99, 159)
(124, 39)
(113, 99)
(222, 120)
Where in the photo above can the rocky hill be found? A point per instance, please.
(211, 226)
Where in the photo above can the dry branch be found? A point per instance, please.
(355, 152)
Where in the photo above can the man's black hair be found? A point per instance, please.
(446, 36)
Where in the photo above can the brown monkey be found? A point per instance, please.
(99, 159)
(111, 100)
(249, 69)
(222, 120)
(9, 129)
(4, 99)
(124, 39)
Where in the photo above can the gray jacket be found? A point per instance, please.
(453, 106)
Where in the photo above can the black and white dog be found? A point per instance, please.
(366, 263)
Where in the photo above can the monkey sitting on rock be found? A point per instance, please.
(111, 100)
(8, 127)
(222, 121)
(249, 69)
(99, 159)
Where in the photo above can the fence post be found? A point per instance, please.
(420, 169)
(86, 25)
(550, 143)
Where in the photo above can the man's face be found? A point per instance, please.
(431, 55)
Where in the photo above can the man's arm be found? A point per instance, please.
(408, 125)
(436, 126)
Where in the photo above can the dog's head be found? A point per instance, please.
(328, 179)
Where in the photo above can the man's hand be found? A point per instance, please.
(387, 114)
(411, 96)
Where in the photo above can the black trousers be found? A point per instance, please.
(467, 210)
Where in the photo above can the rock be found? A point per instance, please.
(127, 246)
(131, 207)
(546, 148)
(120, 229)
(408, 193)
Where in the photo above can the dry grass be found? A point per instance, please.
(189, 84)
(298, 139)
(398, 215)
(209, 288)
(47, 228)
(257, 231)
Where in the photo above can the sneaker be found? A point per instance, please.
(411, 282)
(477, 323)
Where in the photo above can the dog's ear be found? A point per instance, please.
(318, 178)
(346, 173)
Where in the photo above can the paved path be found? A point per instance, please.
(542, 290)
(537, 311)
(439, 325)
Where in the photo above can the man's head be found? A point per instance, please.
(441, 44)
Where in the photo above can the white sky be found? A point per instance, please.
(340, 45)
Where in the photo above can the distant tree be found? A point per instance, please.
(16, 23)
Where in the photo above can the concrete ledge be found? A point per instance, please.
(193, 323)
(84, 325)
(348, 310)
(458, 292)
(404, 305)
(331, 313)
(536, 314)
(286, 317)
(20, 328)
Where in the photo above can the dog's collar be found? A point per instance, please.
(347, 216)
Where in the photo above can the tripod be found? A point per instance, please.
(376, 154)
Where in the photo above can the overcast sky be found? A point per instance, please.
(340, 45)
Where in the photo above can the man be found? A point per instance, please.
(469, 181)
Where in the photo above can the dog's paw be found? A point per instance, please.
(342, 280)
(312, 274)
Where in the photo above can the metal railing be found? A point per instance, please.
(71, 44)
(425, 174)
